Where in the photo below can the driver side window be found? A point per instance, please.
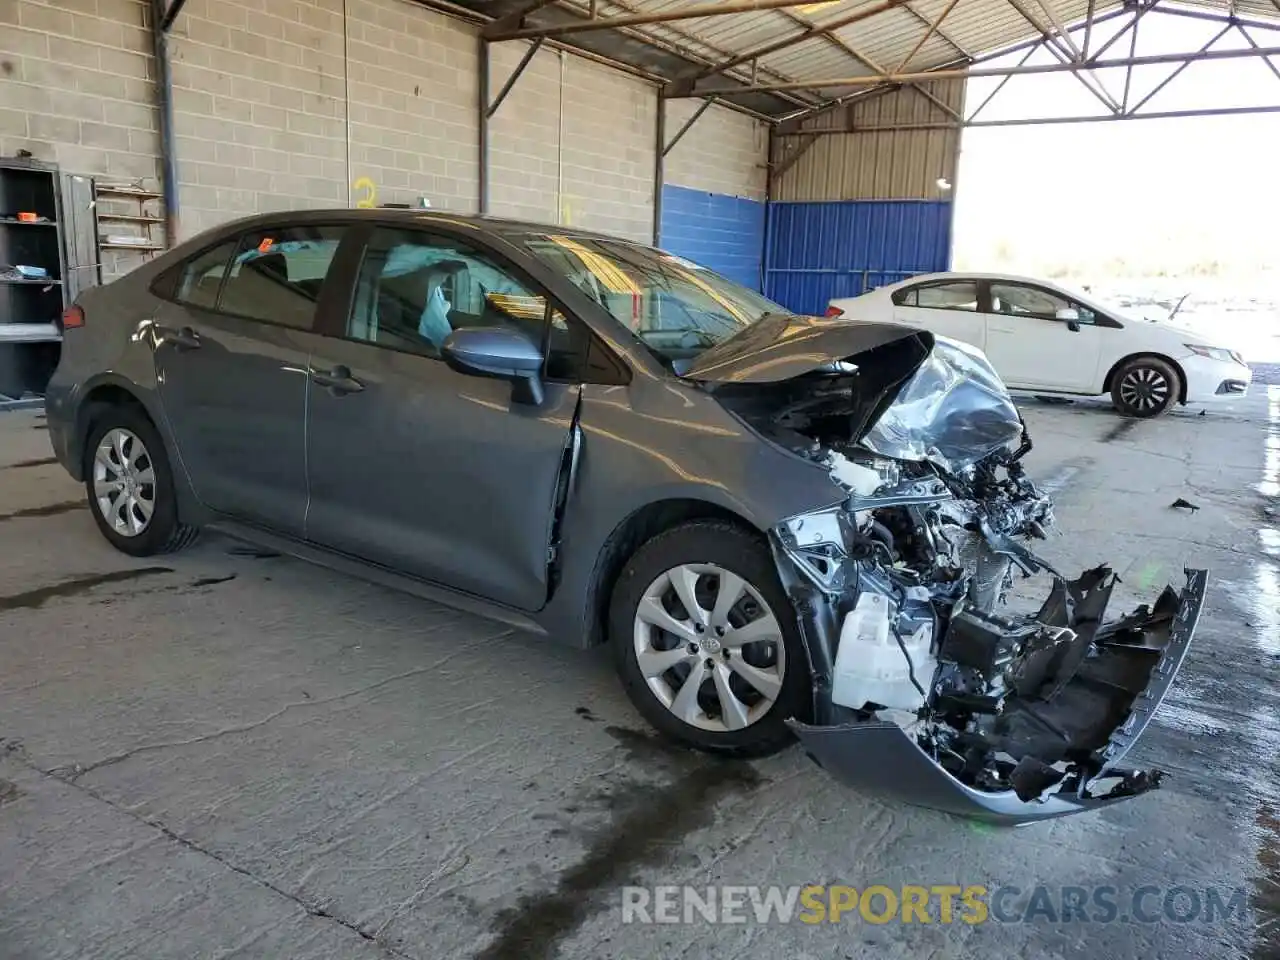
(1017, 300)
(416, 288)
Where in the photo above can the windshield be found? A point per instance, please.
(677, 308)
(1120, 306)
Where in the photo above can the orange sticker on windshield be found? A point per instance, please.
(265, 245)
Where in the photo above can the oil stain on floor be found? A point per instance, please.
(1266, 891)
(48, 510)
(647, 821)
(32, 599)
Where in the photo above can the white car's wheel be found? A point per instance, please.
(1145, 387)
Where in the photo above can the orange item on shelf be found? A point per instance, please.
(26, 217)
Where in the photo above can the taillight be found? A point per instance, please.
(73, 316)
(834, 311)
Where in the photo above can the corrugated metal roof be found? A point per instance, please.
(877, 163)
(863, 37)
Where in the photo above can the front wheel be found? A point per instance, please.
(130, 484)
(706, 642)
(1145, 387)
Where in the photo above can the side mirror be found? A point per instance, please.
(1070, 316)
(497, 352)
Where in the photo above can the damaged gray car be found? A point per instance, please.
(786, 527)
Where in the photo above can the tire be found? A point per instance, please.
(751, 724)
(1145, 387)
(124, 452)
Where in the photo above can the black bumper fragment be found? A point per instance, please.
(879, 757)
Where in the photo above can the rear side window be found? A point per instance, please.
(276, 275)
(201, 278)
(960, 295)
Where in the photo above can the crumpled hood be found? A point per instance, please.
(922, 398)
(781, 346)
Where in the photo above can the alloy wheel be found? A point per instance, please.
(1145, 389)
(124, 482)
(709, 647)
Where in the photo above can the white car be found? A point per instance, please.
(1045, 338)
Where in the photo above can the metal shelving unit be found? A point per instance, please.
(15, 222)
(31, 236)
(138, 219)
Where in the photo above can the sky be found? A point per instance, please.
(1180, 196)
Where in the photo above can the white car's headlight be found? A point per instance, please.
(1216, 353)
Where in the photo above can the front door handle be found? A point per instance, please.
(184, 339)
(339, 381)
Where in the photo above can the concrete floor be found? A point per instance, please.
(222, 753)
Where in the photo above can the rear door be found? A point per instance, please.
(946, 307)
(1032, 348)
(422, 469)
(231, 344)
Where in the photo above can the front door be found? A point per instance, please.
(1031, 348)
(415, 466)
(232, 340)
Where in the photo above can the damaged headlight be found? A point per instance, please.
(954, 411)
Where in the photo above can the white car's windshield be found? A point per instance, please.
(677, 308)
(1117, 305)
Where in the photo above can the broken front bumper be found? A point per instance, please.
(882, 758)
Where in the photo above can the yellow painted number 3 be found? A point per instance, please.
(370, 198)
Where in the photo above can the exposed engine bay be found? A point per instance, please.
(924, 685)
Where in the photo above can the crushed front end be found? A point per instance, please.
(924, 687)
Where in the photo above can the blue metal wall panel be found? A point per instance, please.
(722, 233)
(818, 251)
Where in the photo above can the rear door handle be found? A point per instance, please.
(184, 339)
(339, 381)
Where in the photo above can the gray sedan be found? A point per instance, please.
(782, 525)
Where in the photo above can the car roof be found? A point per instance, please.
(970, 275)
(495, 225)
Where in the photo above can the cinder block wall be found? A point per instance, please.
(723, 152)
(524, 136)
(573, 143)
(286, 104)
(413, 104)
(76, 90)
(259, 102)
(283, 105)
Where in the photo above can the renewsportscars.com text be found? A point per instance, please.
(936, 903)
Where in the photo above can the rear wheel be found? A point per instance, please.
(130, 485)
(706, 642)
(1145, 387)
